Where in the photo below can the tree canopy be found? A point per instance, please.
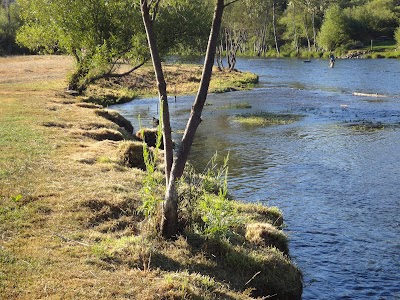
(100, 33)
(333, 30)
(94, 29)
(95, 32)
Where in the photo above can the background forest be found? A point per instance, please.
(97, 33)
(255, 27)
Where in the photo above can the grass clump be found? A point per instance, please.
(218, 214)
(115, 117)
(267, 235)
(240, 105)
(266, 119)
(130, 154)
(223, 81)
(367, 126)
(102, 95)
(257, 212)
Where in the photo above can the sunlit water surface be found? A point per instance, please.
(339, 188)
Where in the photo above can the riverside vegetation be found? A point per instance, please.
(77, 200)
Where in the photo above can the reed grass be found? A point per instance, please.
(240, 105)
(266, 119)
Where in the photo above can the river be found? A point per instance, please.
(338, 186)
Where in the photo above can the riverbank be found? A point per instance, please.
(182, 79)
(69, 220)
(374, 49)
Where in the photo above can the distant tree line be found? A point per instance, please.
(289, 28)
(101, 33)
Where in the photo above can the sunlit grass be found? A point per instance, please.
(69, 203)
(181, 79)
(232, 81)
(266, 119)
(240, 105)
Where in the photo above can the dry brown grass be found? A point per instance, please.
(266, 234)
(182, 79)
(69, 221)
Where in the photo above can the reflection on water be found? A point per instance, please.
(337, 186)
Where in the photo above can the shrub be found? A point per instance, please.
(397, 36)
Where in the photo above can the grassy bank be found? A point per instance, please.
(181, 79)
(378, 49)
(70, 227)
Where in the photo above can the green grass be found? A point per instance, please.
(379, 49)
(240, 105)
(23, 147)
(232, 81)
(381, 46)
(266, 119)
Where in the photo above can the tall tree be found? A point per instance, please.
(97, 33)
(234, 33)
(374, 19)
(169, 224)
(275, 27)
(9, 23)
(397, 36)
(149, 12)
(334, 29)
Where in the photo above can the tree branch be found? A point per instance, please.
(116, 75)
(229, 3)
(109, 75)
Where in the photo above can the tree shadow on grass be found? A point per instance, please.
(266, 271)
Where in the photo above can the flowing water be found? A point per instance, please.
(338, 186)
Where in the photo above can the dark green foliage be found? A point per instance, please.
(334, 29)
(9, 23)
(95, 32)
(98, 32)
(184, 28)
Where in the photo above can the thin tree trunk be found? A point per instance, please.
(265, 30)
(306, 31)
(221, 53)
(169, 224)
(295, 40)
(228, 47)
(161, 85)
(264, 36)
(274, 27)
(313, 28)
